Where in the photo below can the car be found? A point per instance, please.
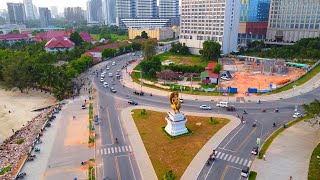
(105, 84)
(132, 102)
(255, 150)
(138, 93)
(181, 100)
(112, 89)
(222, 104)
(83, 106)
(108, 67)
(231, 108)
(113, 63)
(110, 74)
(205, 107)
(102, 75)
(101, 79)
(118, 70)
(245, 172)
(297, 115)
(225, 78)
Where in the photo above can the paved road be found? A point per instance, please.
(233, 152)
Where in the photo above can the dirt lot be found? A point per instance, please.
(20, 106)
(246, 78)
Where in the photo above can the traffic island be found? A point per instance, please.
(173, 154)
(314, 166)
(91, 127)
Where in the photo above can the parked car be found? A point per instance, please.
(297, 115)
(112, 89)
(113, 63)
(255, 150)
(245, 172)
(222, 104)
(108, 67)
(132, 102)
(83, 106)
(205, 107)
(102, 75)
(101, 80)
(181, 100)
(231, 108)
(118, 70)
(110, 74)
(105, 84)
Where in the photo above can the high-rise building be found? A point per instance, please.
(54, 11)
(45, 16)
(125, 9)
(36, 12)
(74, 14)
(17, 13)
(94, 10)
(28, 6)
(168, 8)
(292, 20)
(109, 11)
(254, 15)
(215, 20)
(146, 8)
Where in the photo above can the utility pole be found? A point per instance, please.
(140, 80)
(191, 84)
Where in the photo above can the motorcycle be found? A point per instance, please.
(36, 150)
(21, 175)
(276, 110)
(245, 112)
(38, 141)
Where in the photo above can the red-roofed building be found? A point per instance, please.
(86, 37)
(48, 35)
(95, 56)
(13, 38)
(59, 44)
(211, 66)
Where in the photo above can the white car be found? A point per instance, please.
(110, 74)
(225, 78)
(297, 115)
(108, 67)
(101, 80)
(105, 84)
(205, 107)
(181, 100)
(113, 63)
(222, 104)
(102, 75)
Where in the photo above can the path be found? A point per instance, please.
(289, 154)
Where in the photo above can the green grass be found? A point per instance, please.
(300, 81)
(90, 111)
(5, 170)
(252, 175)
(314, 166)
(268, 142)
(20, 141)
(183, 59)
(95, 36)
(114, 37)
(91, 173)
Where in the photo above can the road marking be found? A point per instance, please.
(123, 149)
(105, 151)
(101, 151)
(237, 160)
(108, 150)
(249, 163)
(233, 136)
(115, 150)
(218, 154)
(245, 140)
(222, 155)
(224, 172)
(229, 158)
(245, 162)
(208, 171)
(130, 149)
(226, 157)
(98, 152)
(134, 176)
(234, 157)
(117, 168)
(226, 149)
(110, 129)
(124, 139)
(112, 150)
(240, 162)
(119, 148)
(126, 148)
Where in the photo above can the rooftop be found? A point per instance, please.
(59, 42)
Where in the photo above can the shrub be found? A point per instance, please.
(143, 112)
(213, 121)
(5, 170)
(20, 141)
(169, 176)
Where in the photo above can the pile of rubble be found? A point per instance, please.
(11, 153)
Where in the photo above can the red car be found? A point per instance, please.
(231, 108)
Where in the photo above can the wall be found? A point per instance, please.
(159, 33)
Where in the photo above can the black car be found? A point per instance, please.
(138, 93)
(132, 102)
(255, 150)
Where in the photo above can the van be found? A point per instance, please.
(222, 104)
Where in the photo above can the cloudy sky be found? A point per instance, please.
(47, 3)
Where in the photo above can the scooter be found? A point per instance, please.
(245, 112)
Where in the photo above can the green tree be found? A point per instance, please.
(144, 34)
(108, 53)
(136, 46)
(137, 37)
(217, 69)
(149, 49)
(76, 38)
(211, 50)
(150, 67)
(169, 176)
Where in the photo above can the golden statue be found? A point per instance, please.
(175, 102)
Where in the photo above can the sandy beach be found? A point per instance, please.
(20, 106)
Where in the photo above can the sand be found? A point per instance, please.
(20, 105)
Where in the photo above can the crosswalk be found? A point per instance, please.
(233, 159)
(113, 150)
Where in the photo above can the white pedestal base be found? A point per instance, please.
(176, 124)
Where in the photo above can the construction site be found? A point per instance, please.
(251, 75)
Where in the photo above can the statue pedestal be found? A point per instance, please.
(176, 124)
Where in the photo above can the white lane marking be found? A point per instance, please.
(115, 150)
(249, 163)
(123, 150)
(112, 150)
(234, 157)
(241, 160)
(229, 158)
(97, 152)
(119, 148)
(222, 155)
(237, 160)
(233, 136)
(126, 148)
(225, 158)
(208, 171)
(226, 149)
(105, 151)
(245, 162)
(218, 154)
(108, 150)
(130, 149)
(134, 176)
(101, 151)
(124, 139)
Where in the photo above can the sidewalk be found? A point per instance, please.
(289, 154)
(194, 168)
(304, 88)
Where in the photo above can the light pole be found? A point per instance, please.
(140, 80)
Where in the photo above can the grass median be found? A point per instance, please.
(174, 154)
(252, 175)
(314, 166)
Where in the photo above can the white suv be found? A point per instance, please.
(205, 107)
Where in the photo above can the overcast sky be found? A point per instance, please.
(47, 3)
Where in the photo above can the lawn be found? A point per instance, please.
(183, 59)
(173, 154)
(95, 36)
(114, 37)
(252, 175)
(300, 81)
(314, 166)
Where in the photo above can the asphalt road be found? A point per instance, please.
(233, 153)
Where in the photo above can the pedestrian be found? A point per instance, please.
(290, 177)
(9, 111)
(12, 130)
(264, 157)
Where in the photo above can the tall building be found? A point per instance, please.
(215, 20)
(28, 6)
(146, 8)
(17, 13)
(74, 14)
(254, 15)
(168, 8)
(54, 11)
(45, 17)
(36, 12)
(94, 10)
(292, 20)
(109, 11)
(125, 9)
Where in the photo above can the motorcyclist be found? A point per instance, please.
(116, 140)
(259, 101)
(274, 124)
(254, 124)
(245, 112)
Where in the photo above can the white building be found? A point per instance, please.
(30, 14)
(292, 20)
(168, 8)
(59, 44)
(54, 11)
(109, 12)
(216, 20)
